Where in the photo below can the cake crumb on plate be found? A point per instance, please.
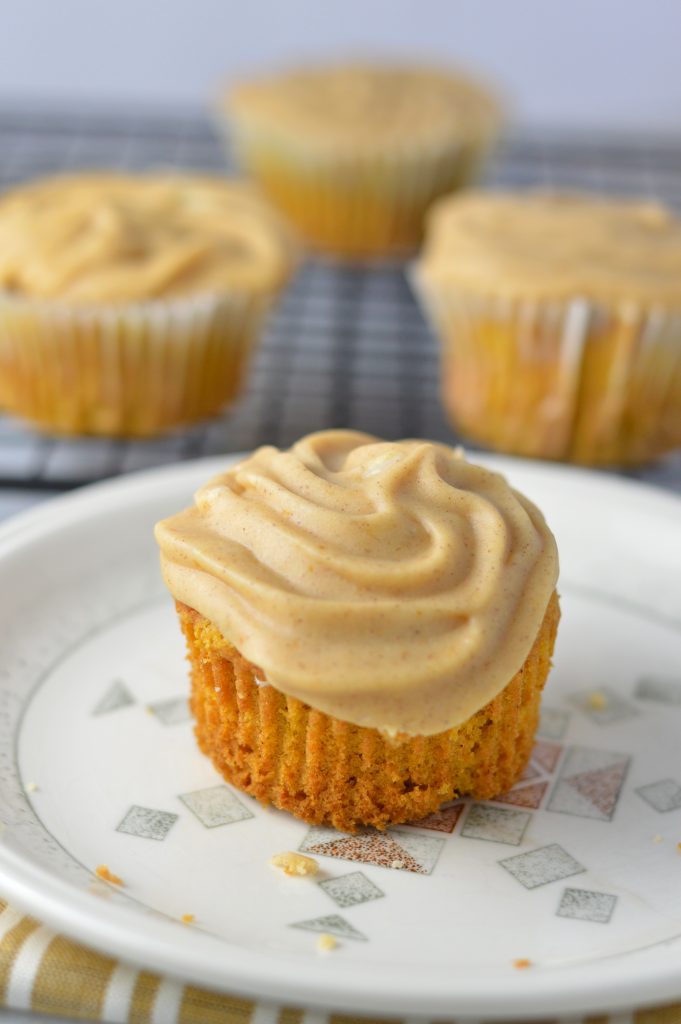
(597, 701)
(187, 919)
(326, 942)
(522, 963)
(102, 871)
(294, 864)
(32, 787)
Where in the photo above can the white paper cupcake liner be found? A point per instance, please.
(576, 380)
(130, 370)
(356, 203)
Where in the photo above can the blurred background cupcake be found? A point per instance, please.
(129, 304)
(559, 318)
(354, 154)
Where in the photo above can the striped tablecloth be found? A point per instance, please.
(47, 973)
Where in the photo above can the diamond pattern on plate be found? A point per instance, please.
(524, 796)
(401, 851)
(660, 689)
(546, 755)
(553, 724)
(662, 796)
(349, 890)
(333, 924)
(172, 711)
(216, 805)
(147, 823)
(117, 696)
(603, 706)
(585, 905)
(589, 783)
(542, 866)
(443, 820)
(495, 824)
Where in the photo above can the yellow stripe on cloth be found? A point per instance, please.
(143, 998)
(659, 1015)
(201, 1007)
(9, 950)
(287, 1015)
(71, 980)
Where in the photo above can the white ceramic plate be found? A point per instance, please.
(576, 870)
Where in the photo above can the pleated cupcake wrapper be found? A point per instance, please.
(325, 770)
(133, 370)
(565, 379)
(359, 203)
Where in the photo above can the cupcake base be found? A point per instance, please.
(354, 205)
(326, 771)
(573, 381)
(129, 371)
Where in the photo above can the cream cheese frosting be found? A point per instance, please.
(392, 585)
(554, 245)
(92, 238)
(372, 105)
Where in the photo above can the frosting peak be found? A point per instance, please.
(393, 585)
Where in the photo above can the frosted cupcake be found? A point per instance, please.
(355, 154)
(369, 626)
(130, 304)
(560, 322)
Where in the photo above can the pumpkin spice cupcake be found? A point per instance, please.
(369, 626)
(129, 304)
(560, 323)
(354, 154)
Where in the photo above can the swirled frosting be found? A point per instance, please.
(538, 244)
(372, 105)
(91, 238)
(392, 585)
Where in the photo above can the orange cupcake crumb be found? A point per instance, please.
(187, 919)
(102, 871)
(522, 963)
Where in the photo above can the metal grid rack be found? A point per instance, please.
(346, 346)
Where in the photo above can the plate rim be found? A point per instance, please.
(601, 985)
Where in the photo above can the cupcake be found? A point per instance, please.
(129, 304)
(560, 323)
(369, 626)
(354, 155)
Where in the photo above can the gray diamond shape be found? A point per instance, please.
(662, 796)
(147, 823)
(541, 866)
(659, 689)
(585, 905)
(553, 723)
(215, 806)
(495, 824)
(172, 711)
(117, 696)
(348, 890)
(333, 924)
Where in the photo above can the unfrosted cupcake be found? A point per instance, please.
(369, 626)
(129, 304)
(560, 322)
(355, 154)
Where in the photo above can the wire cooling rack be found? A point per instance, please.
(346, 346)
